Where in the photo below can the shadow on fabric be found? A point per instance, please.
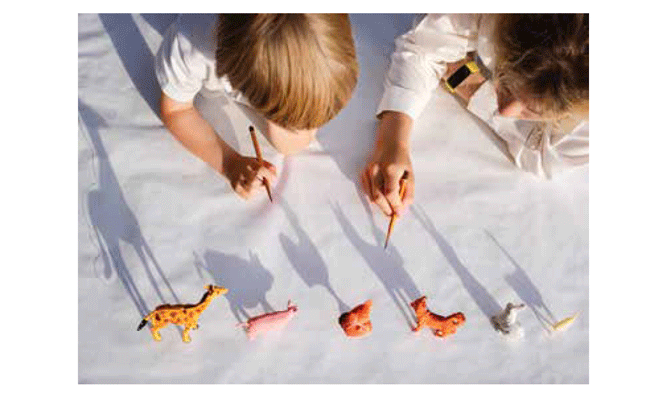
(486, 303)
(251, 281)
(113, 222)
(160, 22)
(526, 290)
(348, 138)
(305, 257)
(387, 265)
(135, 55)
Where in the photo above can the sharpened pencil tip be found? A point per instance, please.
(251, 128)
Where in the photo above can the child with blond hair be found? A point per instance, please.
(297, 71)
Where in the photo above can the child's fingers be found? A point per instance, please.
(409, 194)
(392, 187)
(241, 190)
(270, 167)
(376, 195)
(365, 184)
(265, 173)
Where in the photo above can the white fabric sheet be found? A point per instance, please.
(156, 225)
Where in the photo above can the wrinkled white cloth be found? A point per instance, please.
(420, 61)
(534, 146)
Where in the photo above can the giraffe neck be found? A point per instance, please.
(206, 299)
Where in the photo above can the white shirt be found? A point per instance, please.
(185, 63)
(420, 61)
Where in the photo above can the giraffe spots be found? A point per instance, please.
(173, 314)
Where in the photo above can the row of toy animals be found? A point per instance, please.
(355, 323)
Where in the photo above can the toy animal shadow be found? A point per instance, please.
(386, 264)
(248, 281)
(486, 303)
(305, 257)
(135, 54)
(113, 222)
(526, 290)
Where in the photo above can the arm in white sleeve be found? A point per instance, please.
(421, 57)
(179, 66)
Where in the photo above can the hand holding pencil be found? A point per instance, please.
(248, 173)
(259, 157)
(389, 162)
(394, 216)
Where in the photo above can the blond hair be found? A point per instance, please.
(297, 70)
(545, 57)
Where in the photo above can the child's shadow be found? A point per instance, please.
(112, 220)
(305, 257)
(160, 22)
(247, 281)
(526, 290)
(486, 303)
(386, 264)
(135, 53)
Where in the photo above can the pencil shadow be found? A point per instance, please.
(525, 289)
(486, 303)
(135, 56)
(247, 281)
(305, 257)
(160, 22)
(349, 137)
(387, 265)
(113, 222)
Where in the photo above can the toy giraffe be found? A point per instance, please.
(180, 314)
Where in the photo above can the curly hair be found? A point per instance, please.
(544, 57)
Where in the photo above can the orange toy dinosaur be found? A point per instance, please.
(181, 314)
(356, 323)
(442, 326)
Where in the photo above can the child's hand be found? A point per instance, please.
(246, 174)
(380, 179)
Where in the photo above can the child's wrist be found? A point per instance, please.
(394, 131)
(228, 156)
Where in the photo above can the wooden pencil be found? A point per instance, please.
(259, 156)
(394, 216)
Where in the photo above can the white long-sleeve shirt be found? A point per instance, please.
(420, 62)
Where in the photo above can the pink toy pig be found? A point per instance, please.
(270, 321)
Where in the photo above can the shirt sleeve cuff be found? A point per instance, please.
(403, 100)
(177, 94)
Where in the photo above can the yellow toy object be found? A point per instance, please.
(460, 75)
(180, 314)
(565, 323)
